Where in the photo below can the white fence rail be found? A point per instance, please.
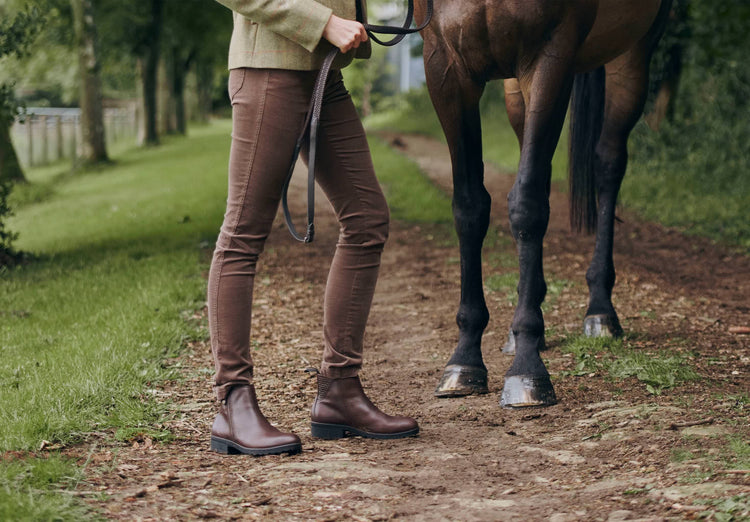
(49, 135)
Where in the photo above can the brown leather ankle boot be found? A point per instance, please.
(342, 407)
(240, 427)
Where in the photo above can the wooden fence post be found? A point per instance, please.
(59, 132)
(45, 141)
(74, 141)
(30, 144)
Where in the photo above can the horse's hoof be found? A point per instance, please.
(602, 325)
(459, 380)
(510, 344)
(523, 391)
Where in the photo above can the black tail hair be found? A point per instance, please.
(586, 116)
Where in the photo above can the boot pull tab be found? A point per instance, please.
(314, 371)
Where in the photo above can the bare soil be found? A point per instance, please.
(608, 451)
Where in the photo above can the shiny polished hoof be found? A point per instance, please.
(510, 344)
(601, 325)
(459, 381)
(523, 391)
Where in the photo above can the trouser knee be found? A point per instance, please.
(369, 229)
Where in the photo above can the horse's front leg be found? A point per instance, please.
(547, 89)
(456, 100)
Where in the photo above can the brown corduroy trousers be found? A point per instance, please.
(268, 112)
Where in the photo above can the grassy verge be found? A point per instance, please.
(86, 327)
(411, 196)
(692, 178)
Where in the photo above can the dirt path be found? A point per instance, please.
(606, 452)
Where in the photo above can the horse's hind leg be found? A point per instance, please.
(515, 107)
(625, 95)
(456, 101)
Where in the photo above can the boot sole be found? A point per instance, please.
(228, 447)
(339, 431)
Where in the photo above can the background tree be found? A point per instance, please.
(196, 36)
(130, 34)
(16, 32)
(700, 156)
(149, 45)
(93, 147)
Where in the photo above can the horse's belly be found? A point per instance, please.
(619, 25)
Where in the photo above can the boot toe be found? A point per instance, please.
(403, 424)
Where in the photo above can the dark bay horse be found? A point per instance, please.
(596, 52)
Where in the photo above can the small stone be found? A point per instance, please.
(563, 517)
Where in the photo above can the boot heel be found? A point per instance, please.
(221, 446)
(327, 431)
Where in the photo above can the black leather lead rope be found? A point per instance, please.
(400, 32)
(312, 121)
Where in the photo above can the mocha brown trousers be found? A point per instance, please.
(268, 112)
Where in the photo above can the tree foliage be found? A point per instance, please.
(16, 32)
(700, 157)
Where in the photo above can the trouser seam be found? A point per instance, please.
(233, 230)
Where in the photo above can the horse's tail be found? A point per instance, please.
(586, 116)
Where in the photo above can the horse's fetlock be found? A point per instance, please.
(530, 324)
(601, 274)
(472, 319)
(528, 216)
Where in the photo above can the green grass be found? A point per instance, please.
(738, 451)
(732, 509)
(86, 327)
(658, 370)
(414, 114)
(692, 178)
(38, 489)
(411, 196)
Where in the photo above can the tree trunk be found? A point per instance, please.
(93, 146)
(165, 103)
(10, 168)
(150, 73)
(179, 77)
(205, 79)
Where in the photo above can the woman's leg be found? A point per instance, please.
(346, 174)
(268, 111)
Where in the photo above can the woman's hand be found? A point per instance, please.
(344, 34)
